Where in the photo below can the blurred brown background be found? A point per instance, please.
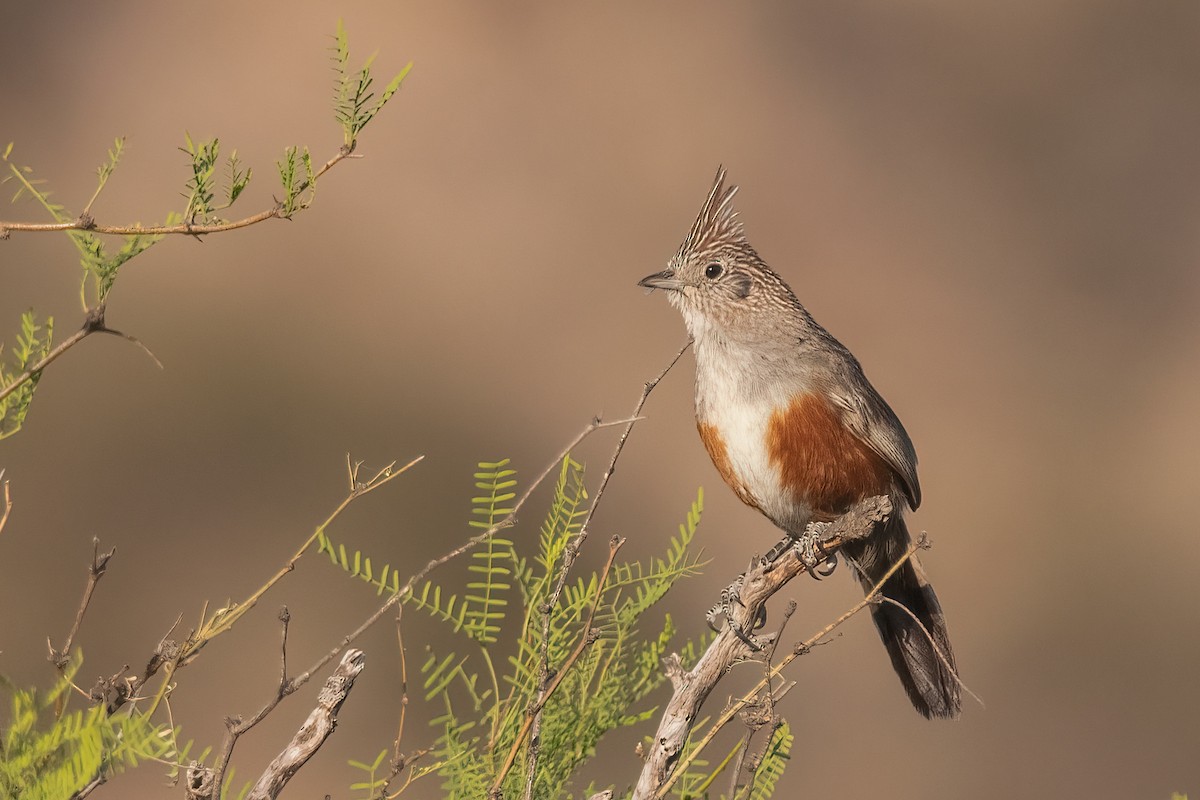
(995, 208)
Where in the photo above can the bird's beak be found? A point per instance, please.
(662, 280)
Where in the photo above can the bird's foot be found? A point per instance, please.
(808, 548)
(730, 595)
(730, 598)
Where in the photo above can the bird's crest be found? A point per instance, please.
(717, 224)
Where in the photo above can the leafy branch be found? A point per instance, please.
(352, 94)
(354, 108)
(32, 346)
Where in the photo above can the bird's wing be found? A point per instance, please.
(872, 420)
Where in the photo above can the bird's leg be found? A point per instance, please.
(807, 547)
(781, 547)
(731, 596)
(724, 606)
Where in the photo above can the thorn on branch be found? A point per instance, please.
(93, 321)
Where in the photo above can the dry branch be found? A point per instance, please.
(692, 688)
(7, 506)
(315, 730)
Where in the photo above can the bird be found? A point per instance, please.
(796, 430)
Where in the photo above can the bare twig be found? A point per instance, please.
(399, 760)
(315, 730)
(572, 549)
(470, 544)
(60, 348)
(60, 658)
(170, 654)
(770, 700)
(93, 322)
(223, 619)
(236, 726)
(757, 761)
(95, 572)
(7, 502)
(663, 766)
(936, 648)
(570, 553)
(91, 786)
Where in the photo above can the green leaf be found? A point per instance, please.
(352, 106)
(33, 343)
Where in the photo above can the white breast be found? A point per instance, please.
(741, 409)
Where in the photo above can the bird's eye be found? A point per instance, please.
(713, 271)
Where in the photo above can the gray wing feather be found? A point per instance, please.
(872, 420)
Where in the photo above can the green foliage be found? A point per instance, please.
(44, 754)
(490, 564)
(352, 106)
(373, 785)
(100, 265)
(33, 344)
(606, 688)
(293, 184)
(200, 189)
(27, 185)
(765, 769)
(774, 759)
(105, 170)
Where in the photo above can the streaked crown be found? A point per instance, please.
(717, 225)
(719, 283)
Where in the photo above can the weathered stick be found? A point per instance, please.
(314, 731)
(692, 688)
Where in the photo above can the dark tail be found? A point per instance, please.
(929, 678)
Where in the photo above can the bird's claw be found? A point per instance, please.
(724, 607)
(731, 596)
(812, 555)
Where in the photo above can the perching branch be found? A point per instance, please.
(692, 688)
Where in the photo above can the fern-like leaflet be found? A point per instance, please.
(605, 687)
(490, 564)
(774, 759)
(46, 754)
(33, 344)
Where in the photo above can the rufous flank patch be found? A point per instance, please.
(821, 461)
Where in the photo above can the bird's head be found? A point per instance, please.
(717, 280)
